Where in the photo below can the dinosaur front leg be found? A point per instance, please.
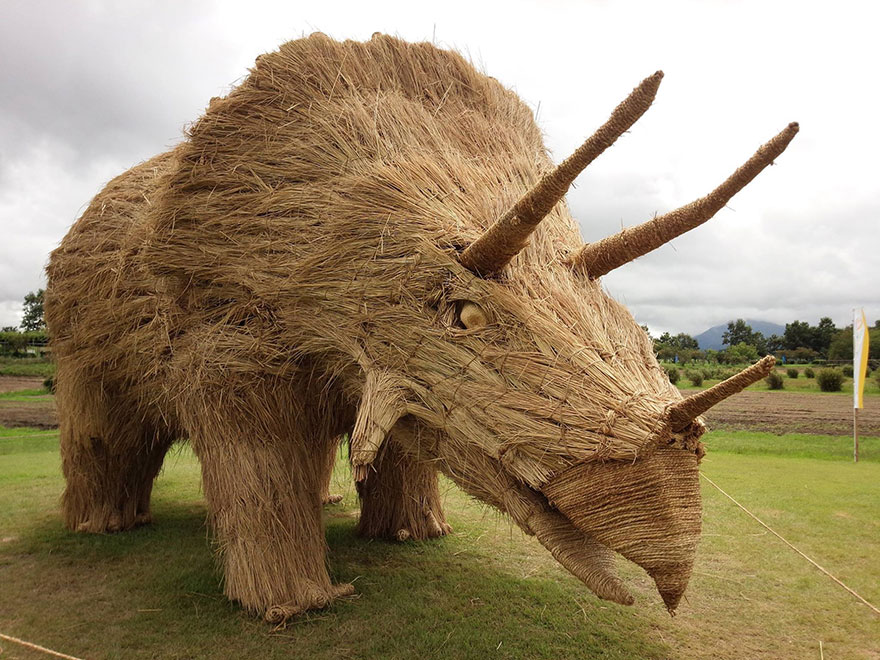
(400, 498)
(263, 487)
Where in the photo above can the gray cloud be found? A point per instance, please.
(98, 79)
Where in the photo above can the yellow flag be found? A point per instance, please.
(860, 357)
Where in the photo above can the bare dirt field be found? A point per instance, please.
(37, 412)
(15, 383)
(782, 412)
(32, 411)
(773, 412)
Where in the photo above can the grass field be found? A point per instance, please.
(793, 445)
(15, 366)
(22, 395)
(484, 591)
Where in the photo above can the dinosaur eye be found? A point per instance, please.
(472, 315)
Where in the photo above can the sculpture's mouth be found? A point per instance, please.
(648, 511)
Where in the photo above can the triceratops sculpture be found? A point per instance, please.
(369, 238)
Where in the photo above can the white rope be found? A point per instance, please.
(37, 647)
(777, 535)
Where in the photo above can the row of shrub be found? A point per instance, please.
(846, 369)
(698, 374)
(828, 379)
(14, 343)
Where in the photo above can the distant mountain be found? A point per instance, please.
(711, 338)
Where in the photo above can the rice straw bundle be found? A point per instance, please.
(369, 238)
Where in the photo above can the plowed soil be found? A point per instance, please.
(35, 411)
(15, 383)
(782, 412)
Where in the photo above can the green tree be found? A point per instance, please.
(740, 353)
(798, 334)
(822, 335)
(841, 347)
(13, 343)
(683, 345)
(740, 332)
(681, 341)
(32, 319)
(775, 343)
(685, 341)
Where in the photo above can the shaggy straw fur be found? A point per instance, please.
(293, 272)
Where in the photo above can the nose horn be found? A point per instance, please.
(648, 511)
(685, 411)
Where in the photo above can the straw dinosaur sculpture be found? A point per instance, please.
(370, 238)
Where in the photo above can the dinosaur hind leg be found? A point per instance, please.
(110, 458)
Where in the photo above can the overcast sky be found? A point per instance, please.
(90, 88)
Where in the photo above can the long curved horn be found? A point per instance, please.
(597, 259)
(590, 561)
(508, 235)
(685, 411)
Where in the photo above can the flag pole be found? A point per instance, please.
(855, 435)
(855, 390)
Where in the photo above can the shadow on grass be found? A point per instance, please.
(155, 591)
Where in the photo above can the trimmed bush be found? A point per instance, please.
(774, 381)
(696, 378)
(673, 374)
(792, 372)
(848, 370)
(708, 374)
(809, 373)
(830, 380)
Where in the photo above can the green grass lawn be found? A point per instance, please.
(486, 590)
(23, 395)
(31, 366)
(793, 445)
